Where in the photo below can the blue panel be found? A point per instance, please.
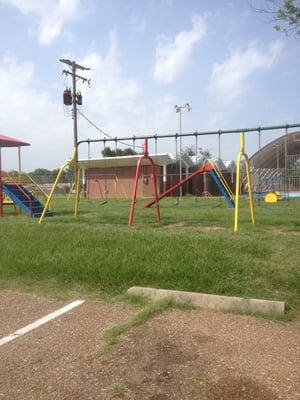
(17, 194)
(221, 188)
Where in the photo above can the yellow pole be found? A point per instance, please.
(71, 190)
(52, 190)
(242, 142)
(250, 190)
(238, 184)
(36, 185)
(237, 192)
(77, 191)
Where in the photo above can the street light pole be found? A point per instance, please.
(277, 146)
(179, 109)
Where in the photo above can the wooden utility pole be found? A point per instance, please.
(74, 67)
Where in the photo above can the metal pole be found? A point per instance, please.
(196, 149)
(219, 146)
(180, 153)
(259, 171)
(75, 132)
(189, 134)
(285, 165)
(1, 194)
(219, 159)
(19, 163)
(176, 156)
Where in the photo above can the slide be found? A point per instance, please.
(24, 199)
(217, 177)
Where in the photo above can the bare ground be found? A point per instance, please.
(18, 309)
(178, 355)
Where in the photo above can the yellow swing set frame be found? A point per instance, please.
(241, 154)
(73, 163)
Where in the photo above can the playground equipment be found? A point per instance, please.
(238, 183)
(72, 163)
(215, 173)
(145, 156)
(272, 197)
(23, 199)
(219, 135)
(12, 192)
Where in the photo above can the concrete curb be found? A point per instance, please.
(213, 302)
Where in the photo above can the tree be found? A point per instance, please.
(108, 152)
(285, 14)
(191, 151)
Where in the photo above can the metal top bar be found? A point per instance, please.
(196, 133)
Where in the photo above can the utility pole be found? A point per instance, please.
(178, 109)
(74, 98)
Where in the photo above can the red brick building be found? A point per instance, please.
(113, 177)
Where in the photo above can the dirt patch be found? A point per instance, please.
(210, 229)
(19, 309)
(279, 231)
(182, 225)
(210, 356)
(178, 355)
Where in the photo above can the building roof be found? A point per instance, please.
(230, 165)
(7, 141)
(159, 159)
(124, 161)
(186, 160)
(267, 156)
(219, 163)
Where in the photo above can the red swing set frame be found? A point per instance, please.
(145, 156)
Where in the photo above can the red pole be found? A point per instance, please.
(146, 148)
(1, 194)
(136, 181)
(206, 168)
(155, 188)
(133, 199)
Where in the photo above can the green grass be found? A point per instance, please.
(100, 254)
(112, 335)
(119, 390)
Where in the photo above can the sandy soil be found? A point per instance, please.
(19, 309)
(178, 355)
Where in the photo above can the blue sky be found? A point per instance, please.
(147, 56)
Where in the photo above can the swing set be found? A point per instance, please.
(233, 200)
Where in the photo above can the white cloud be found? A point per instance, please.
(172, 57)
(229, 78)
(112, 99)
(121, 105)
(49, 15)
(31, 115)
(118, 104)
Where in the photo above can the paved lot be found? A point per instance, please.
(178, 355)
(19, 309)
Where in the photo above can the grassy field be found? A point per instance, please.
(194, 248)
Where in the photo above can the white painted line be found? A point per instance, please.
(39, 322)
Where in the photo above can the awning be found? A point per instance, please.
(7, 141)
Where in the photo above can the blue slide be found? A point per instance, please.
(23, 198)
(222, 189)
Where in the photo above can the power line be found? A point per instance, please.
(105, 133)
